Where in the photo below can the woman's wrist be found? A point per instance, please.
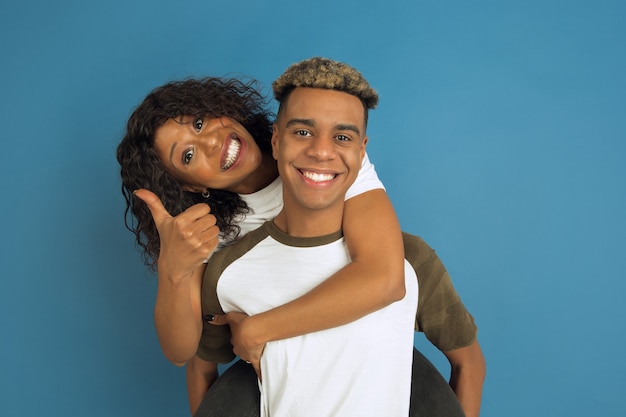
(254, 331)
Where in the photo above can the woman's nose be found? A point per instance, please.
(212, 135)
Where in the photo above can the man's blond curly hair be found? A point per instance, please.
(328, 74)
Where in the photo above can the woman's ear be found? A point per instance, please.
(192, 189)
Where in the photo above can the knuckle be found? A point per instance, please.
(179, 223)
(186, 234)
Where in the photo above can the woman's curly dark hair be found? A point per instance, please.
(142, 168)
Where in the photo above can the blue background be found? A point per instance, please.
(500, 136)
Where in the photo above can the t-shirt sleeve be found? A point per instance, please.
(367, 180)
(441, 315)
(214, 345)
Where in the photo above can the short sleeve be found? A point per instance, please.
(441, 315)
(367, 180)
(215, 344)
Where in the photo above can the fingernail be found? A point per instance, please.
(209, 317)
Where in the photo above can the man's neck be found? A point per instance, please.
(309, 223)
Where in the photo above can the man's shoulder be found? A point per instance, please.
(424, 260)
(238, 248)
(416, 250)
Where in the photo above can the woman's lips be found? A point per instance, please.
(232, 152)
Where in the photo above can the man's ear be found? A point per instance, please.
(275, 141)
(363, 146)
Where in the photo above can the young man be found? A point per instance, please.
(308, 93)
(362, 368)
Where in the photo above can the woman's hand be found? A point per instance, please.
(187, 240)
(242, 339)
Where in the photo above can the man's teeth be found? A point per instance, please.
(232, 153)
(313, 176)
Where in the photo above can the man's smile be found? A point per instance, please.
(318, 177)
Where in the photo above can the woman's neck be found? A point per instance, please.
(263, 176)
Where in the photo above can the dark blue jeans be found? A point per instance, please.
(236, 393)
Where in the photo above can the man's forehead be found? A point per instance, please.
(312, 104)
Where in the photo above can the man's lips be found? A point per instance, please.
(318, 177)
(231, 153)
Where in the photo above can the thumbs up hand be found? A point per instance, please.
(187, 239)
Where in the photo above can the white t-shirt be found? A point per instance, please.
(359, 369)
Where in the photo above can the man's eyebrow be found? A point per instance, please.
(311, 123)
(306, 122)
(345, 126)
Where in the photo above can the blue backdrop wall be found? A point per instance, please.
(500, 136)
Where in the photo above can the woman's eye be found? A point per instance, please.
(187, 156)
(197, 124)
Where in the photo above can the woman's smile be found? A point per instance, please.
(231, 152)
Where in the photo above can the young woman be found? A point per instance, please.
(208, 141)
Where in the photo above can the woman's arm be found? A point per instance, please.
(177, 314)
(187, 240)
(373, 280)
(200, 376)
(468, 371)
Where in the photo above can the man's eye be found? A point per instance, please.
(303, 132)
(343, 138)
(197, 124)
(187, 156)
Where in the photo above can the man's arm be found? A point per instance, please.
(200, 376)
(447, 324)
(467, 376)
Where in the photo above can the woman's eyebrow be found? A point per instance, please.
(172, 153)
(181, 120)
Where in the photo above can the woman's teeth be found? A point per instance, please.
(313, 176)
(232, 153)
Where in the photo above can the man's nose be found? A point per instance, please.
(322, 147)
